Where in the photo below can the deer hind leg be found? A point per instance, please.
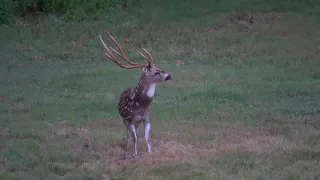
(147, 126)
(128, 134)
(134, 135)
(137, 132)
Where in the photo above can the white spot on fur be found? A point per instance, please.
(137, 104)
(151, 90)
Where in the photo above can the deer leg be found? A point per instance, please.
(128, 134)
(134, 135)
(147, 127)
(138, 141)
(128, 138)
(137, 127)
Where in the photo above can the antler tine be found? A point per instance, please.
(115, 60)
(150, 56)
(122, 54)
(150, 59)
(143, 55)
(110, 55)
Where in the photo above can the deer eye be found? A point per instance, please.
(157, 73)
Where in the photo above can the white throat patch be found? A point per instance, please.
(151, 90)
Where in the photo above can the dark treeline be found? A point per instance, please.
(92, 9)
(72, 9)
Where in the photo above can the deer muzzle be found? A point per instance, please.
(168, 77)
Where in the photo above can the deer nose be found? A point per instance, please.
(168, 77)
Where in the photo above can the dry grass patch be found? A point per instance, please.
(258, 139)
(233, 139)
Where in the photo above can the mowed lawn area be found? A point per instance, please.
(244, 101)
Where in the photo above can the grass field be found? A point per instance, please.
(243, 102)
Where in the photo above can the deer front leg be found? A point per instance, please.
(147, 126)
(134, 135)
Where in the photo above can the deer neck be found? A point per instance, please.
(144, 91)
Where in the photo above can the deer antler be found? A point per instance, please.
(150, 59)
(110, 53)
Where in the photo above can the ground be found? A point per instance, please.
(243, 102)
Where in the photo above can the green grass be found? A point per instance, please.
(243, 102)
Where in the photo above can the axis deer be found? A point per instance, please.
(135, 103)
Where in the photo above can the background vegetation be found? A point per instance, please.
(243, 102)
(71, 9)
